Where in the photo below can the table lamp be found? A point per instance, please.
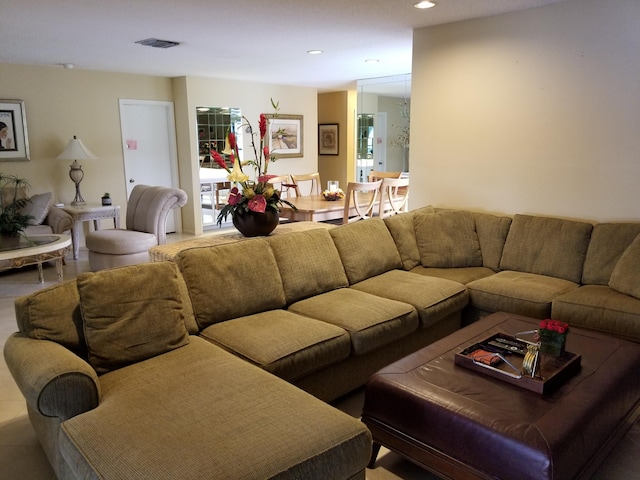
(75, 150)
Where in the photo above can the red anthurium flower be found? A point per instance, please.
(265, 178)
(257, 204)
(263, 125)
(234, 196)
(232, 140)
(219, 160)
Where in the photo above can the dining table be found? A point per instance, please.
(314, 208)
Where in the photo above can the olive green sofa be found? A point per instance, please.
(214, 365)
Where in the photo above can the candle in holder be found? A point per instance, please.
(333, 185)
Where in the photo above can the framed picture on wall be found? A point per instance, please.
(285, 135)
(328, 139)
(14, 142)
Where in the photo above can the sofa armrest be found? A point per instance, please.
(54, 380)
(59, 220)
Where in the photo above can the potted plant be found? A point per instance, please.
(12, 220)
(106, 199)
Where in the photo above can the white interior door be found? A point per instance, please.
(149, 148)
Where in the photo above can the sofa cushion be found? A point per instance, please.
(492, 234)
(447, 239)
(546, 246)
(309, 263)
(371, 321)
(462, 275)
(366, 249)
(518, 292)
(38, 207)
(53, 313)
(433, 298)
(625, 277)
(150, 322)
(244, 273)
(404, 235)
(608, 243)
(281, 342)
(598, 307)
(219, 418)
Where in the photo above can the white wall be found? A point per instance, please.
(535, 111)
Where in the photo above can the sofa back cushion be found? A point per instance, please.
(492, 232)
(366, 249)
(132, 313)
(546, 246)
(231, 280)
(447, 239)
(608, 243)
(53, 314)
(625, 277)
(403, 232)
(309, 264)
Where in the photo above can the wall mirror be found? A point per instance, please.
(213, 124)
(384, 107)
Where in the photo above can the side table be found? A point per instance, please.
(86, 213)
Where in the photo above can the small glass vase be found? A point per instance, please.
(553, 345)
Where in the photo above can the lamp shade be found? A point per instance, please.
(75, 150)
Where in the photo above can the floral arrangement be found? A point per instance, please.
(333, 195)
(552, 335)
(250, 196)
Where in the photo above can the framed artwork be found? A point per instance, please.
(328, 139)
(285, 135)
(14, 142)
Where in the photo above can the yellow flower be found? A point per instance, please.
(248, 193)
(268, 192)
(236, 174)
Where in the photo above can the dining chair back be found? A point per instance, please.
(283, 184)
(313, 188)
(394, 196)
(360, 196)
(378, 175)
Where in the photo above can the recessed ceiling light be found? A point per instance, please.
(314, 52)
(372, 60)
(425, 4)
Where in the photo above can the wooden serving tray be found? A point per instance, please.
(551, 373)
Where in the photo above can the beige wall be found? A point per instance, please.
(530, 112)
(61, 103)
(338, 107)
(252, 99)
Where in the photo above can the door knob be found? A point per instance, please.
(131, 180)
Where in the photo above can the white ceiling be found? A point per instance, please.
(254, 40)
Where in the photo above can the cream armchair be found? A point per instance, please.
(147, 211)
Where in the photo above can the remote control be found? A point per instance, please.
(504, 346)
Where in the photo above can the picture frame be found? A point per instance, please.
(14, 141)
(286, 135)
(328, 139)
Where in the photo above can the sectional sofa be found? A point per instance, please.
(214, 365)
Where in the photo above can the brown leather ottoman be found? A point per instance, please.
(460, 423)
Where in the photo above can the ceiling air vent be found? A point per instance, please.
(154, 42)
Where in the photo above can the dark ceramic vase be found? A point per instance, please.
(255, 224)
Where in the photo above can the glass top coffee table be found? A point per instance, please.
(35, 250)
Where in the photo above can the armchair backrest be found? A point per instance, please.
(149, 206)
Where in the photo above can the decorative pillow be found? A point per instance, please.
(38, 207)
(448, 239)
(132, 313)
(625, 277)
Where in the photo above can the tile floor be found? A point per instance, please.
(21, 457)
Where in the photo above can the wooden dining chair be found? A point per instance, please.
(378, 175)
(283, 184)
(360, 196)
(394, 196)
(314, 185)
